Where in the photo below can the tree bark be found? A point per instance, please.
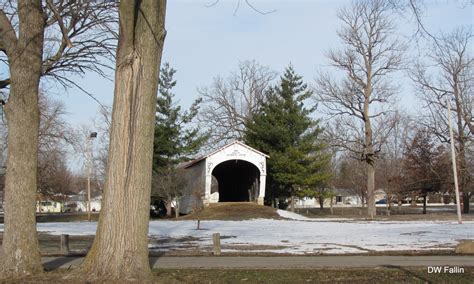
(330, 206)
(168, 208)
(369, 148)
(20, 251)
(120, 248)
(292, 205)
(466, 198)
(424, 204)
(321, 202)
(371, 210)
(176, 209)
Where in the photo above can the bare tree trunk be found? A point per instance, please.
(176, 208)
(20, 253)
(330, 206)
(168, 208)
(321, 202)
(120, 248)
(369, 148)
(388, 204)
(399, 199)
(292, 203)
(424, 203)
(413, 200)
(370, 190)
(466, 198)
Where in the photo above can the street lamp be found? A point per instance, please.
(92, 136)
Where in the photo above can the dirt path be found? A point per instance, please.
(282, 262)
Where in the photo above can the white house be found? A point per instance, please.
(49, 206)
(78, 203)
(342, 197)
(233, 173)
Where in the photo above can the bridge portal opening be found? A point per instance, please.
(237, 181)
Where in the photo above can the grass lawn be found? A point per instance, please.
(357, 275)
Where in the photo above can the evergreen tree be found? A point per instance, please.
(284, 129)
(175, 141)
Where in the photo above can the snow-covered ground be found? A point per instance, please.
(298, 236)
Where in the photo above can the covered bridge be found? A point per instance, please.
(233, 173)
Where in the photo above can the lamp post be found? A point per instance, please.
(92, 135)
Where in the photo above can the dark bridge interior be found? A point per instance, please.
(237, 181)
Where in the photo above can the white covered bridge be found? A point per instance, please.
(234, 173)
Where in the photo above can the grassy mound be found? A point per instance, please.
(234, 211)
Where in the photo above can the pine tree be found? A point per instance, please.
(175, 140)
(284, 129)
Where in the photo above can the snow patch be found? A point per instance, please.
(292, 215)
(301, 236)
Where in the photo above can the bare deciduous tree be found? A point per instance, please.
(20, 252)
(120, 248)
(362, 96)
(54, 134)
(29, 47)
(390, 166)
(229, 103)
(169, 186)
(448, 74)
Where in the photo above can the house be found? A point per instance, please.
(49, 206)
(342, 197)
(234, 173)
(78, 202)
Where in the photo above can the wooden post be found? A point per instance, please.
(216, 242)
(64, 244)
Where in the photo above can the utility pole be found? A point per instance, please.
(89, 170)
(453, 157)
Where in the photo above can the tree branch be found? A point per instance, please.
(4, 83)
(60, 22)
(8, 38)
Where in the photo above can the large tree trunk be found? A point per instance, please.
(120, 248)
(20, 253)
(371, 190)
(369, 148)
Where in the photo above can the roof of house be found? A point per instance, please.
(344, 191)
(193, 162)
